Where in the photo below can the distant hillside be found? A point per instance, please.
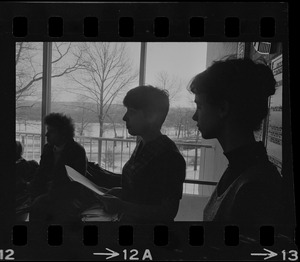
(32, 111)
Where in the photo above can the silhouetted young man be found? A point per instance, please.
(56, 197)
(152, 179)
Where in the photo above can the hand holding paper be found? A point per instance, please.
(112, 204)
(77, 177)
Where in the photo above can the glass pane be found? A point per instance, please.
(29, 57)
(171, 66)
(89, 82)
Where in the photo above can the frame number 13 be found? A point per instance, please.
(291, 255)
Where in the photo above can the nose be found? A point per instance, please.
(195, 117)
(125, 117)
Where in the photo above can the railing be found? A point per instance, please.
(117, 151)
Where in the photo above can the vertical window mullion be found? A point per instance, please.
(142, 76)
(46, 87)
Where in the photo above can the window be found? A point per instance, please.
(96, 76)
(89, 81)
(171, 66)
(28, 97)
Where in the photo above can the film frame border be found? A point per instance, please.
(143, 14)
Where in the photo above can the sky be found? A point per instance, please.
(180, 60)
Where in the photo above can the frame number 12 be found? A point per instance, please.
(7, 254)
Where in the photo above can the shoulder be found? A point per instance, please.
(262, 173)
(168, 141)
(169, 145)
(75, 146)
(47, 151)
(261, 198)
(171, 154)
(21, 163)
(33, 163)
(47, 147)
(173, 166)
(261, 179)
(174, 158)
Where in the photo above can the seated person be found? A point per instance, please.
(152, 179)
(56, 197)
(25, 170)
(232, 100)
(28, 167)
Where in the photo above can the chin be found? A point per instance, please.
(205, 136)
(131, 133)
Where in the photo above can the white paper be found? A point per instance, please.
(76, 176)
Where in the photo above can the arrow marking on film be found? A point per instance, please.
(268, 255)
(110, 255)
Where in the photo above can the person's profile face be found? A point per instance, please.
(53, 136)
(207, 117)
(136, 122)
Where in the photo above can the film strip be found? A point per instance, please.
(256, 29)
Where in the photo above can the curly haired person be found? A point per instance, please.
(56, 197)
(232, 101)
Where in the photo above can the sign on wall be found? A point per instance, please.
(274, 127)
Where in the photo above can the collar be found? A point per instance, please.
(58, 148)
(154, 147)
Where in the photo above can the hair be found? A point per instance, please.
(149, 99)
(19, 150)
(243, 83)
(63, 123)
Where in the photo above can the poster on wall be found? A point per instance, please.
(259, 134)
(274, 131)
(241, 50)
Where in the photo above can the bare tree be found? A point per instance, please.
(84, 120)
(29, 67)
(181, 119)
(107, 72)
(26, 67)
(113, 123)
(171, 84)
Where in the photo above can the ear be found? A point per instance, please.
(152, 118)
(224, 109)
